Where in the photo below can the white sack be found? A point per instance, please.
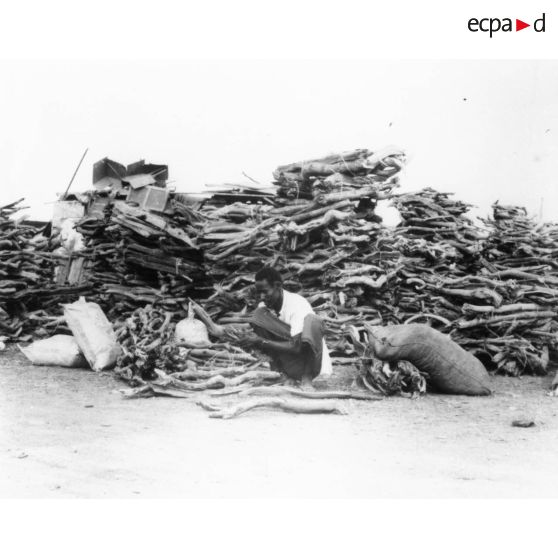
(58, 350)
(93, 333)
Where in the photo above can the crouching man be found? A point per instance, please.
(286, 328)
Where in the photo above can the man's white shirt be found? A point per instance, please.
(293, 311)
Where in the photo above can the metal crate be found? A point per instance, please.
(150, 198)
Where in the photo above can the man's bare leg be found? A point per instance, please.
(306, 383)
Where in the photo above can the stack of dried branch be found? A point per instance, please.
(480, 285)
(490, 287)
(516, 323)
(320, 244)
(28, 296)
(256, 385)
(136, 257)
(493, 286)
(351, 169)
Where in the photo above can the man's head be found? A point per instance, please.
(269, 287)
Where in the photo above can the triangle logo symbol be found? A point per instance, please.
(519, 25)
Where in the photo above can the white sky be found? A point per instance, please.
(209, 121)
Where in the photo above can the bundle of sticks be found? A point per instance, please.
(154, 362)
(351, 169)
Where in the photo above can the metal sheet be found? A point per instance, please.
(107, 168)
(139, 180)
(156, 199)
(160, 172)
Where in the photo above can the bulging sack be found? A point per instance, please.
(58, 350)
(93, 333)
(451, 369)
(190, 330)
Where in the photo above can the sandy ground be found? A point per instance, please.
(69, 433)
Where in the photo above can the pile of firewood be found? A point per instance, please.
(28, 296)
(481, 285)
(321, 232)
(515, 322)
(135, 257)
(320, 244)
(491, 286)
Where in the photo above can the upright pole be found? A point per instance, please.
(75, 172)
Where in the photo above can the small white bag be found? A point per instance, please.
(190, 330)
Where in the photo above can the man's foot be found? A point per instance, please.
(289, 382)
(306, 384)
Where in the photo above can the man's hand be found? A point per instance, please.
(250, 341)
